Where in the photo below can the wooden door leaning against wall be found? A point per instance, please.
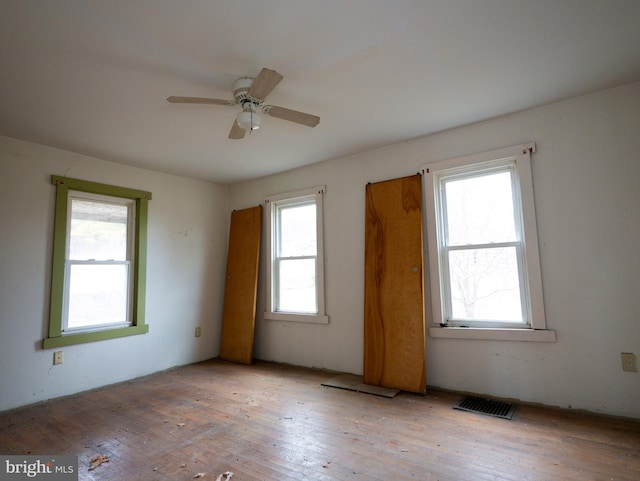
(239, 312)
(394, 326)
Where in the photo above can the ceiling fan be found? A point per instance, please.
(249, 93)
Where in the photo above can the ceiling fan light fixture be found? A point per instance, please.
(248, 120)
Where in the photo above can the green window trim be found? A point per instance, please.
(63, 185)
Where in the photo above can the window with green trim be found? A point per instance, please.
(99, 262)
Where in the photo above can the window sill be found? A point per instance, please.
(80, 338)
(493, 334)
(308, 318)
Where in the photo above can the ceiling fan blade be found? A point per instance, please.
(264, 83)
(198, 100)
(291, 115)
(236, 132)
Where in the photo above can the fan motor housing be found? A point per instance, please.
(241, 88)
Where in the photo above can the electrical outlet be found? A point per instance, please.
(58, 357)
(629, 362)
(198, 331)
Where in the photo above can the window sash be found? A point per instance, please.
(70, 310)
(308, 304)
(502, 167)
(449, 315)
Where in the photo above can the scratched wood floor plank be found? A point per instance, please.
(275, 422)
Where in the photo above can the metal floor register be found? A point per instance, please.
(489, 407)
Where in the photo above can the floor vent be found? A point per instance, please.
(490, 407)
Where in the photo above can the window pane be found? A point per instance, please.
(98, 230)
(480, 210)
(298, 230)
(297, 286)
(97, 295)
(485, 284)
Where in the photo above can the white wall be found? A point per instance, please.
(586, 174)
(188, 226)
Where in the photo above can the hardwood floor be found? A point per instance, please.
(273, 422)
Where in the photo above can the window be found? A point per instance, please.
(483, 247)
(99, 259)
(295, 271)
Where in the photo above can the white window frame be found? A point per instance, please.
(534, 327)
(314, 194)
(129, 261)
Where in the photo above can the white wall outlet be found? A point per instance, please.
(58, 357)
(629, 362)
(198, 332)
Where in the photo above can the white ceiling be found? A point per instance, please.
(93, 76)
